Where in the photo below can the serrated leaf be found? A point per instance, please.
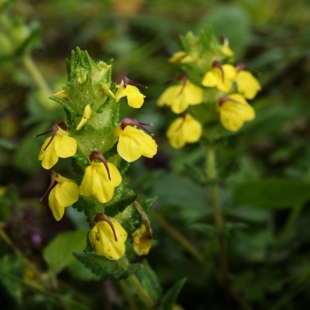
(104, 268)
(58, 253)
(149, 281)
(272, 194)
(148, 203)
(122, 198)
(7, 144)
(170, 297)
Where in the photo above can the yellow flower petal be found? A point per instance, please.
(177, 57)
(103, 242)
(61, 146)
(247, 84)
(141, 240)
(65, 146)
(179, 97)
(134, 143)
(234, 113)
(48, 157)
(135, 98)
(58, 212)
(222, 80)
(96, 182)
(182, 131)
(86, 116)
(63, 195)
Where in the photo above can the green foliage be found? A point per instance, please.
(58, 253)
(273, 194)
(263, 169)
(104, 268)
(170, 297)
(149, 281)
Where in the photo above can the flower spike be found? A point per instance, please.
(97, 155)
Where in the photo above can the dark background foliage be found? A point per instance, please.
(264, 171)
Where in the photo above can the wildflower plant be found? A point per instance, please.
(101, 146)
(210, 95)
(210, 90)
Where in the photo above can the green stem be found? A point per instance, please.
(132, 303)
(212, 174)
(178, 236)
(35, 73)
(290, 222)
(137, 286)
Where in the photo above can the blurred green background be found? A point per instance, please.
(264, 170)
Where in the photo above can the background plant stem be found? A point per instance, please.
(212, 174)
(35, 73)
(178, 236)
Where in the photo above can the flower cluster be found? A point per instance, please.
(210, 83)
(100, 146)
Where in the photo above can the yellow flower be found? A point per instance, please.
(224, 48)
(134, 98)
(133, 142)
(86, 116)
(63, 195)
(247, 84)
(59, 145)
(234, 111)
(181, 57)
(177, 57)
(141, 240)
(220, 76)
(108, 238)
(100, 180)
(180, 96)
(183, 130)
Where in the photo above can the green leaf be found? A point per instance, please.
(104, 268)
(148, 203)
(26, 159)
(58, 253)
(149, 281)
(170, 297)
(11, 267)
(122, 198)
(274, 194)
(235, 27)
(7, 144)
